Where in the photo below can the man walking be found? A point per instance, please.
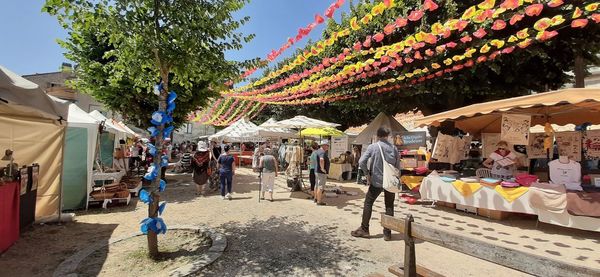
(375, 181)
(321, 172)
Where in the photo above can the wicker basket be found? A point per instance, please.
(122, 193)
(102, 194)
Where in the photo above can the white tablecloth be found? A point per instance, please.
(433, 188)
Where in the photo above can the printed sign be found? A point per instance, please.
(515, 128)
(535, 149)
(338, 146)
(442, 150)
(489, 142)
(591, 145)
(410, 140)
(569, 144)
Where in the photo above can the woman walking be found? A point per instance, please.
(269, 166)
(200, 163)
(312, 165)
(226, 172)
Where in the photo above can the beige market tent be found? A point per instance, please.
(382, 120)
(567, 106)
(30, 126)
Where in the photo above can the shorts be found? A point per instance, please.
(321, 180)
(268, 180)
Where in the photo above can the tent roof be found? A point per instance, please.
(269, 132)
(27, 97)
(382, 119)
(327, 131)
(76, 115)
(301, 122)
(567, 106)
(236, 132)
(110, 126)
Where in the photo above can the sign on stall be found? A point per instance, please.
(339, 145)
(515, 128)
(410, 140)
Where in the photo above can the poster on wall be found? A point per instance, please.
(515, 128)
(489, 142)
(443, 148)
(339, 146)
(463, 147)
(535, 148)
(569, 144)
(410, 140)
(591, 145)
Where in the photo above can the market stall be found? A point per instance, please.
(557, 192)
(33, 127)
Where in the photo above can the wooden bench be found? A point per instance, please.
(512, 258)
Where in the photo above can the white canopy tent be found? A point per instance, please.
(77, 177)
(32, 126)
(236, 132)
(109, 125)
(270, 132)
(300, 122)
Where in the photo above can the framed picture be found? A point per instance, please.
(35, 175)
(24, 172)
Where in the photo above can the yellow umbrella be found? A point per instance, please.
(323, 132)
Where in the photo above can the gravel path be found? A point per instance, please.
(293, 237)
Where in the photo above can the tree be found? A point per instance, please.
(540, 67)
(145, 42)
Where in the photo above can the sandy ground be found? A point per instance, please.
(293, 236)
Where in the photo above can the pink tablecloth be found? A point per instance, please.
(9, 214)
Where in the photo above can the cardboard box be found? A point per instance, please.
(493, 214)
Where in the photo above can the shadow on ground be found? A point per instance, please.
(56, 241)
(279, 247)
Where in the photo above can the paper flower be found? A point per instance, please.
(401, 22)
(469, 13)
(430, 5)
(592, 7)
(319, 19)
(499, 24)
(557, 20)
(487, 4)
(162, 185)
(510, 4)
(546, 35)
(534, 9)
(145, 196)
(577, 13)
(579, 23)
(555, 3)
(415, 15)
(516, 18)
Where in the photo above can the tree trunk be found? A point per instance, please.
(153, 207)
(579, 71)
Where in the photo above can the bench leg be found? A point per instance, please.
(410, 263)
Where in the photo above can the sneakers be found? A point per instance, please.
(228, 196)
(387, 236)
(360, 233)
(223, 197)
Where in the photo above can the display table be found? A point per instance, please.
(109, 176)
(9, 214)
(336, 171)
(433, 188)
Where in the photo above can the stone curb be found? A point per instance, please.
(219, 243)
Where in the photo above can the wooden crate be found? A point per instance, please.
(493, 214)
(445, 204)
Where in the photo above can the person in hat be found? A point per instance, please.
(321, 172)
(269, 167)
(200, 165)
(502, 162)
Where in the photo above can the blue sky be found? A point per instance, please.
(32, 48)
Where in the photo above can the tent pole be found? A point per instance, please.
(62, 167)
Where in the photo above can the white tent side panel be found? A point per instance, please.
(37, 141)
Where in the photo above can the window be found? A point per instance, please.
(188, 128)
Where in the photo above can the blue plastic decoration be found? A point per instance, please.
(152, 149)
(164, 161)
(156, 225)
(145, 196)
(158, 118)
(167, 131)
(167, 119)
(157, 89)
(151, 174)
(171, 98)
(153, 131)
(161, 207)
(170, 107)
(162, 185)
(144, 225)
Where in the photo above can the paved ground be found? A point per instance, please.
(292, 236)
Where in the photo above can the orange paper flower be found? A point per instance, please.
(577, 13)
(592, 7)
(579, 23)
(545, 35)
(401, 22)
(499, 24)
(487, 4)
(511, 4)
(557, 20)
(388, 29)
(480, 33)
(596, 17)
(523, 34)
(555, 3)
(516, 18)
(542, 24)
(534, 10)
(415, 15)
(430, 5)
(378, 37)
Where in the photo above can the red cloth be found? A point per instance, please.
(9, 214)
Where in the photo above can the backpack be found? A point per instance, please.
(391, 175)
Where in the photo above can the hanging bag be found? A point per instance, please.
(391, 175)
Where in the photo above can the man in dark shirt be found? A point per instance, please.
(321, 172)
